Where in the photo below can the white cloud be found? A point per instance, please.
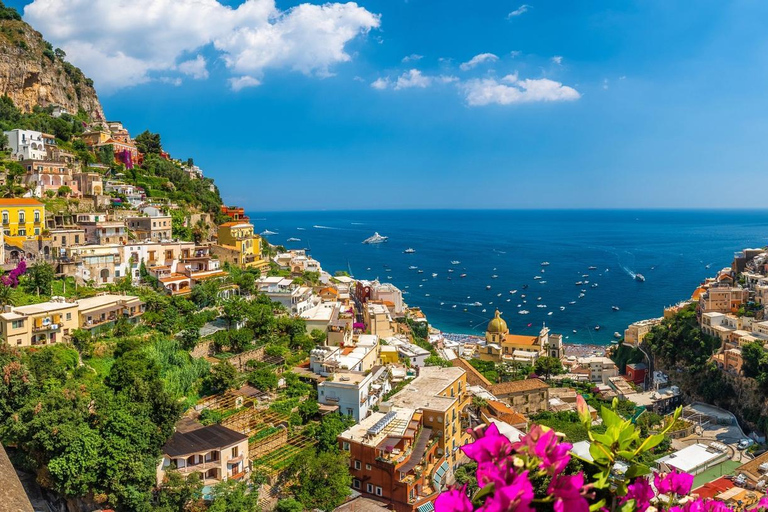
(477, 60)
(605, 84)
(241, 82)
(519, 11)
(120, 43)
(195, 68)
(414, 57)
(558, 59)
(170, 80)
(410, 79)
(380, 83)
(515, 53)
(510, 90)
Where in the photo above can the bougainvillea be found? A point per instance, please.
(12, 278)
(535, 473)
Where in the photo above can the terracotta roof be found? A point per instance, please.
(474, 377)
(20, 201)
(517, 386)
(712, 489)
(518, 339)
(504, 413)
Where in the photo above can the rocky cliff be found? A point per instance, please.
(33, 73)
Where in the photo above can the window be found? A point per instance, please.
(37, 216)
(17, 324)
(37, 231)
(378, 491)
(355, 483)
(69, 316)
(369, 488)
(345, 446)
(358, 465)
(22, 232)
(77, 239)
(234, 451)
(368, 467)
(22, 217)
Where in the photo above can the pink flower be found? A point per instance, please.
(490, 446)
(545, 445)
(640, 491)
(761, 505)
(702, 505)
(516, 496)
(568, 492)
(454, 500)
(673, 482)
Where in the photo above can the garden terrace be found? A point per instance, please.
(278, 460)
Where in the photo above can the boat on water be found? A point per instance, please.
(455, 262)
(434, 274)
(543, 306)
(592, 267)
(413, 267)
(450, 270)
(409, 250)
(549, 314)
(594, 285)
(293, 239)
(542, 282)
(572, 302)
(454, 306)
(376, 239)
(615, 308)
(536, 278)
(267, 232)
(523, 312)
(581, 295)
(640, 278)
(420, 271)
(477, 304)
(544, 263)
(579, 283)
(597, 327)
(488, 287)
(617, 335)
(562, 308)
(463, 275)
(483, 311)
(494, 276)
(512, 292)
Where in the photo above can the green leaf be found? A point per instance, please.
(650, 443)
(626, 507)
(600, 453)
(636, 470)
(610, 418)
(597, 506)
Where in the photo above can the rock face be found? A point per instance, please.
(32, 73)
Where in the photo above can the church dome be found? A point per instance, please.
(497, 325)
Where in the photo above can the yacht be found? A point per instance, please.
(434, 274)
(592, 268)
(578, 283)
(544, 263)
(409, 250)
(376, 239)
(512, 292)
(292, 239)
(523, 312)
(455, 262)
(536, 278)
(572, 302)
(413, 267)
(267, 232)
(640, 278)
(615, 308)
(477, 304)
(463, 275)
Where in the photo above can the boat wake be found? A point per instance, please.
(317, 226)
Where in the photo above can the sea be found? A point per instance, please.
(527, 263)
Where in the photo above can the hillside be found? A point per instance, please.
(34, 73)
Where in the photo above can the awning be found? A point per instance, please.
(439, 473)
(427, 507)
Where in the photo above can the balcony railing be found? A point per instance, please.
(49, 327)
(202, 466)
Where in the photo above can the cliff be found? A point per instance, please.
(33, 73)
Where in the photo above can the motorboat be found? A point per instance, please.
(434, 274)
(617, 335)
(523, 312)
(463, 275)
(267, 232)
(426, 295)
(512, 292)
(536, 278)
(549, 314)
(562, 308)
(544, 263)
(615, 308)
(542, 282)
(488, 287)
(413, 267)
(293, 239)
(581, 295)
(409, 250)
(592, 268)
(594, 285)
(494, 276)
(542, 306)
(450, 270)
(597, 327)
(420, 271)
(483, 311)
(455, 262)
(572, 302)
(477, 304)
(376, 239)
(498, 295)
(640, 278)
(579, 283)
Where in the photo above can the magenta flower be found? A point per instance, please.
(640, 491)
(454, 500)
(490, 446)
(703, 505)
(569, 493)
(545, 445)
(516, 496)
(761, 505)
(673, 482)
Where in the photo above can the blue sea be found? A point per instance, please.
(674, 250)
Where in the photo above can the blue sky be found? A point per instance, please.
(570, 104)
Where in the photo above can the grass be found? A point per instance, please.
(102, 365)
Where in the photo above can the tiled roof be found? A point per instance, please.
(19, 201)
(517, 386)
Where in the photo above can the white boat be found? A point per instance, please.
(508, 300)
(594, 285)
(426, 295)
(572, 302)
(292, 239)
(542, 282)
(597, 327)
(409, 250)
(267, 232)
(544, 263)
(483, 311)
(376, 239)
(536, 278)
(543, 306)
(434, 274)
(420, 271)
(488, 287)
(549, 314)
(617, 335)
(640, 278)
(592, 268)
(442, 303)
(494, 276)
(523, 312)
(455, 262)
(450, 270)
(581, 295)
(498, 295)
(615, 308)
(586, 282)
(463, 275)
(413, 267)
(477, 304)
(512, 292)
(562, 308)
(454, 306)
(579, 283)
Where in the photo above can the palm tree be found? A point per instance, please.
(6, 296)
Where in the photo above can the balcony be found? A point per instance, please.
(49, 327)
(202, 466)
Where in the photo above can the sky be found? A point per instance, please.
(387, 104)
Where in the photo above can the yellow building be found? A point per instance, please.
(389, 354)
(238, 245)
(500, 345)
(22, 217)
(38, 324)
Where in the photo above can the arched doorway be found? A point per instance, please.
(104, 275)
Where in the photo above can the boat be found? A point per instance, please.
(455, 262)
(450, 270)
(463, 275)
(572, 302)
(597, 327)
(592, 268)
(584, 275)
(301, 229)
(434, 274)
(542, 282)
(579, 283)
(494, 276)
(420, 271)
(615, 308)
(454, 306)
(562, 308)
(581, 295)
(409, 250)
(293, 239)
(426, 295)
(617, 335)
(544, 263)
(536, 278)
(512, 292)
(508, 300)
(594, 285)
(413, 267)
(549, 314)
(543, 306)
(523, 312)
(477, 304)
(574, 331)
(483, 311)
(498, 295)
(267, 232)
(538, 298)
(586, 282)
(640, 278)
(376, 239)
(488, 287)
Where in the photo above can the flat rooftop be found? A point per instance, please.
(104, 300)
(423, 391)
(691, 458)
(359, 433)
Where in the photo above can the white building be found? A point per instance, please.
(601, 369)
(26, 144)
(355, 393)
(297, 299)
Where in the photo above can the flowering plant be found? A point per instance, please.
(540, 473)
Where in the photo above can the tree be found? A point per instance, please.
(149, 143)
(323, 479)
(189, 337)
(178, 492)
(308, 409)
(223, 376)
(263, 379)
(6, 295)
(39, 278)
(754, 359)
(548, 366)
(233, 496)
(437, 361)
(234, 310)
(106, 155)
(64, 191)
(289, 505)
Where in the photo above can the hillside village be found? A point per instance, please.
(158, 353)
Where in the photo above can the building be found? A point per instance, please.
(636, 332)
(22, 217)
(99, 264)
(495, 410)
(527, 396)
(213, 453)
(695, 458)
(636, 373)
(723, 298)
(238, 245)
(296, 299)
(403, 455)
(501, 346)
(38, 324)
(89, 183)
(103, 311)
(45, 176)
(101, 230)
(235, 213)
(601, 369)
(26, 144)
(377, 319)
(155, 229)
(354, 393)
